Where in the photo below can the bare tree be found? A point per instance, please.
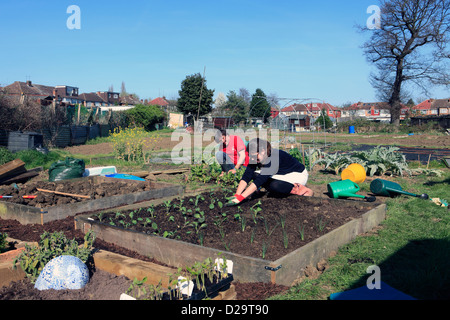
(123, 90)
(409, 47)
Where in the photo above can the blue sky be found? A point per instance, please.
(294, 49)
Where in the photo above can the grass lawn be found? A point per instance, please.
(411, 248)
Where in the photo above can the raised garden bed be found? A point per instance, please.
(76, 196)
(268, 239)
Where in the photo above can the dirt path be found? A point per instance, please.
(417, 140)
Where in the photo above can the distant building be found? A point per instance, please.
(432, 107)
(162, 102)
(375, 111)
(21, 90)
(313, 110)
(100, 99)
(129, 100)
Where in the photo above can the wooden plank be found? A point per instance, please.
(64, 194)
(12, 168)
(133, 268)
(143, 174)
(20, 177)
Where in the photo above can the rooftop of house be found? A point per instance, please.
(433, 103)
(159, 102)
(28, 88)
(91, 97)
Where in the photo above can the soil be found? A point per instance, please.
(83, 187)
(263, 227)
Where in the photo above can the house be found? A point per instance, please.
(162, 102)
(91, 100)
(22, 90)
(129, 100)
(67, 95)
(100, 99)
(109, 98)
(312, 109)
(375, 111)
(432, 107)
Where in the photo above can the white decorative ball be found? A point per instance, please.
(63, 272)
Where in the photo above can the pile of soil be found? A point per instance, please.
(102, 285)
(262, 227)
(94, 188)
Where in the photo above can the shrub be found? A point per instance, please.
(145, 116)
(34, 258)
(3, 242)
(5, 156)
(129, 143)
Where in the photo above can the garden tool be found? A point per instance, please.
(440, 202)
(346, 188)
(389, 188)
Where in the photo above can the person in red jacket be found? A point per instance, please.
(232, 153)
(275, 170)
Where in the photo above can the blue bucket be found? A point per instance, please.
(351, 129)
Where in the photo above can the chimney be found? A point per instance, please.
(29, 83)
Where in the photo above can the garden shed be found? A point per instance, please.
(18, 140)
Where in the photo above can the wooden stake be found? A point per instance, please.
(64, 194)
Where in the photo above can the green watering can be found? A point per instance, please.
(389, 188)
(346, 188)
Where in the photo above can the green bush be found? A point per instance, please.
(145, 116)
(5, 156)
(3, 242)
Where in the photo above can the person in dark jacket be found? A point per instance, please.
(275, 170)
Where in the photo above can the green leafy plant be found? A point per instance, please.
(3, 242)
(139, 290)
(33, 259)
(255, 209)
(377, 161)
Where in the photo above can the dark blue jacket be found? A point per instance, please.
(280, 162)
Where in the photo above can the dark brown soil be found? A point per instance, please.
(94, 289)
(102, 285)
(262, 227)
(94, 188)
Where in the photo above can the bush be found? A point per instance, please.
(3, 242)
(5, 156)
(129, 143)
(145, 116)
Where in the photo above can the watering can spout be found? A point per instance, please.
(389, 188)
